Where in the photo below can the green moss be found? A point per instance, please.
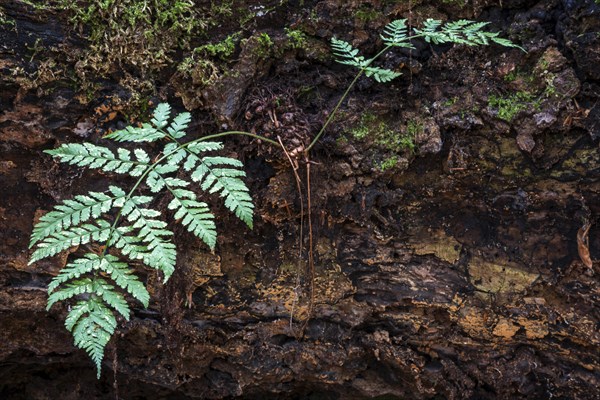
(509, 106)
(389, 163)
(367, 14)
(265, 45)
(371, 127)
(139, 33)
(296, 38)
(222, 50)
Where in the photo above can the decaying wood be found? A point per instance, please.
(454, 274)
(583, 244)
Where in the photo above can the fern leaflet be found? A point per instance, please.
(92, 325)
(74, 236)
(92, 156)
(74, 212)
(194, 215)
(215, 176)
(396, 34)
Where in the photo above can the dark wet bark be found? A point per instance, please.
(454, 275)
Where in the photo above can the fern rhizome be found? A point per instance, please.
(127, 228)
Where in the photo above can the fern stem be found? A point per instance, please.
(341, 100)
(218, 135)
(339, 103)
(158, 161)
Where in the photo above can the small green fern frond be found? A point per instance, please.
(203, 147)
(162, 112)
(396, 34)
(194, 215)
(73, 212)
(346, 54)
(227, 183)
(74, 236)
(153, 132)
(93, 331)
(136, 134)
(109, 264)
(92, 156)
(180, 123)
(381, 74)
(161, 252)
(461, 32)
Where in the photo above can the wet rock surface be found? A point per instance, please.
(454, 273)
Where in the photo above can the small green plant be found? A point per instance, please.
(296, 38)
(4, 19)
(508, 107)
(388, 163)
(396, 34)
(223, 49)
(266, 43)
(126, 226)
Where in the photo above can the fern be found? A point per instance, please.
(126, 226)
(74, 212)
(461, 32)
(396, 34)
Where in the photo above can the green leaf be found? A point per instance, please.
(396, 34)
(194, 215)
(92, 325)
(161, 252)
(145, 133)
(70, 290)
(124, 278)
(226, 182)
(179, 125)
(381, 74)
(73, 236)
(202, 147)
(74, 212)
(92, 156)
(161, 115)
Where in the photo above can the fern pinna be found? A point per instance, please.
(125, 224)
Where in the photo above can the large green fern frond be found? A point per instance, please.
(124, 221)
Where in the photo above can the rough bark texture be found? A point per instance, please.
(453, 274)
